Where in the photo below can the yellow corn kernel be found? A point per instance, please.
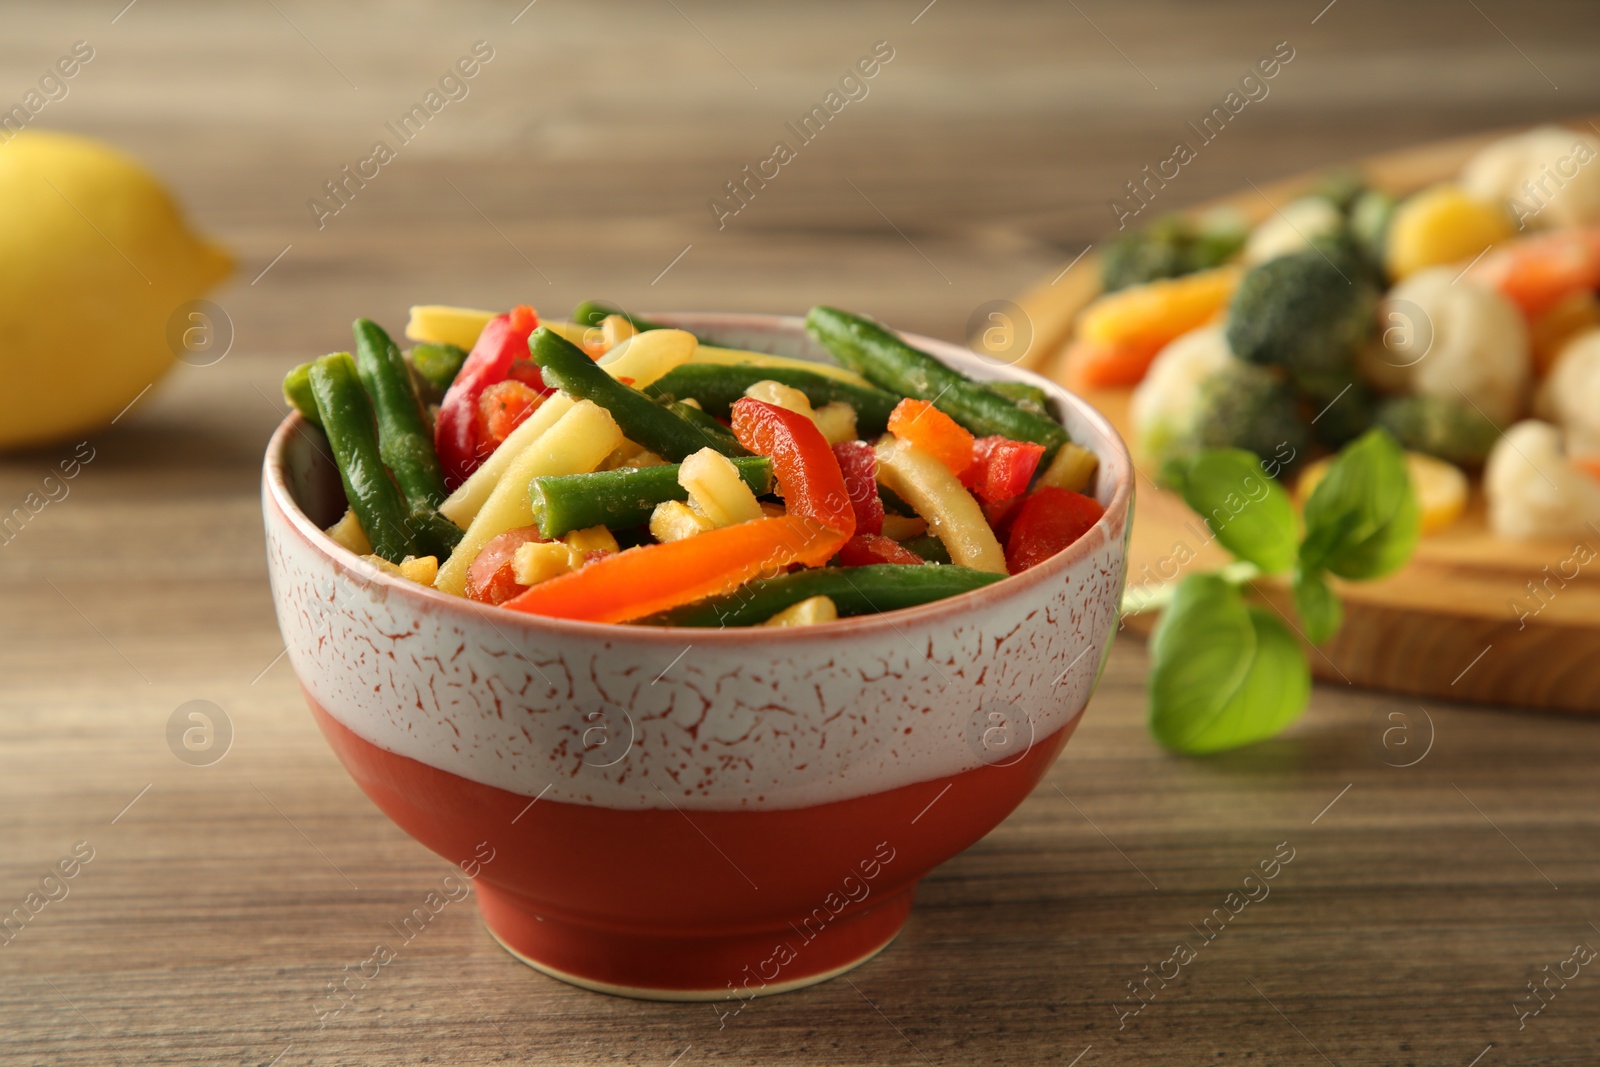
(716, 490)
(780, 395)
(1072, 469)
(808, 612)
(673, 520)
(379, 563)
(420, 569)
(903, 527)
(837, 421)
(540, 561)
(347, 533)
(1442, 225)
(594, 539)
(447, 325)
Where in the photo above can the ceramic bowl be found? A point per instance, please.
(695, 814)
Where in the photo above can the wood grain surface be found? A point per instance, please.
(221, 900)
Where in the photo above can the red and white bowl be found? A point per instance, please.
(695, 814)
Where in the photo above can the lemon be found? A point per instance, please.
(95, 264)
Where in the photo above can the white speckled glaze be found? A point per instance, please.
(642, 717)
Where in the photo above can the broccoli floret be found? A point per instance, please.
(1440, 426)
(1304, 313)
(1369, 225)
(1341, 408)
(1242, 406)
(1167, 248)
(1342, 188)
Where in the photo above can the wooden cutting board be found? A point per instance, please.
(1473, 617)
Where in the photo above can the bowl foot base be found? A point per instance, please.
(732, 967)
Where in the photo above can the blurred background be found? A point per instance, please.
(583, 160)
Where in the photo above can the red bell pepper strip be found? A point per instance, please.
(1001, 468)
(803, 465)
(492, 578)
(651, 578)
(858, 462)
(1050, 520)
(455, 437)
(527, 372)
(934, 432)
(863, 550)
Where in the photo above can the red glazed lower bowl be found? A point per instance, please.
(692, 814)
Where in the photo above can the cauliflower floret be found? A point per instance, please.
(1533, 490)
(1164, 404)
(1545, 176)
(1454, 341)
(1293, 229)
(1570, 396)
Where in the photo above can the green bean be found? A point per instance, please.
(1030, 397)
(437, 364)
(434, 534)
(853, 590)
(347, 419)
(928, 547)
(642, 420)
(729, 445)
(297, 391)
(718, 385)
(620, 498)
(593, 313)
(404, 438)
(889, 363)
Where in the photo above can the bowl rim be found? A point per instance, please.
(1117, 511)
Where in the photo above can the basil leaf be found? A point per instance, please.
(1200, 651)
(1321, 613)
(1225, 674)
(1362, 520)
(1246, 509)
(1275, 691)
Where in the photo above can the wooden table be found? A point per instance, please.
(221, 900)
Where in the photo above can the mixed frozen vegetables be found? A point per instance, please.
(612, 469)
(1462, 319)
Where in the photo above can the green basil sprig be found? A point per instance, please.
(1226, 672)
